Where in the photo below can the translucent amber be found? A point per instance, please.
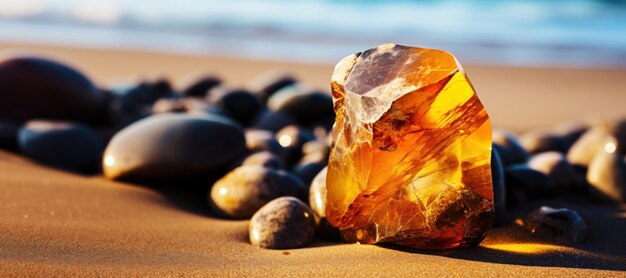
(411, 155)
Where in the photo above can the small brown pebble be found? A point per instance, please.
(286, 253)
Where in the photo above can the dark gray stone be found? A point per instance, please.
(284, 223)
(35, 88)
(509, 148)
(272, 121)
(559, 139)
(499, 188)
(8, 135)
(201, 86)
(266, 84)
(247, 188)
(63, 145)
(308, 107)
(556, 224)
(239, 104)
(171, 146)
(307, 171)
(532, 182)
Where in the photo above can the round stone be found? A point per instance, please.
(317, 193)
(509, 148)
(265, 159)
(607, 173)
(8, 135)
(200, 87)
(284, 223)
(258, 140)
(559, 139)
(317, 200)
(531, 181)
(239, 104)
(63, 145)
(169, 146)
(266, 84)
(247, 188)
(272, 120)
(35, 88)
(588, 145)
(499, 188)
(292, 138)
(308, 107)
(555, 165)
(307, 171)
(560, 224)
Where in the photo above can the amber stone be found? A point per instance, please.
(411, 157)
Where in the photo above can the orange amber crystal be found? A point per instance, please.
(411, 156)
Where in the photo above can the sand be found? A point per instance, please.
(54, 223)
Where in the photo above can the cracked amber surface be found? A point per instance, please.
(411, 156)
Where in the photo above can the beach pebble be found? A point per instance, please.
(307, 171)
(8, 135)
(284, 223)
(272, 121)
(239, 104)
(132, 103)
(308, 107)
(168, 146)
(559, 139)
(201, 86)
(35, 88)
(169, 105)
(552, 223)
(63, 145)
(258, 140)
(509, 148)
(247, 188)
(317, 200)
(607, 173)
(532, 182)
(265, 159)
(292, 138)
(499, 188)
(555, 165)
(588, 145)
(268, 83)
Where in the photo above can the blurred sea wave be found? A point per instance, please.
(577, 33)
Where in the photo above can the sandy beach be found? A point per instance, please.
(55, 223)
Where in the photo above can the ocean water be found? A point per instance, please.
(576, 33)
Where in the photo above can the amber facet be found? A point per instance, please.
(411, 156)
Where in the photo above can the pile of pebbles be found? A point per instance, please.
(252, 151)
(260, 152)
(583, 159)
